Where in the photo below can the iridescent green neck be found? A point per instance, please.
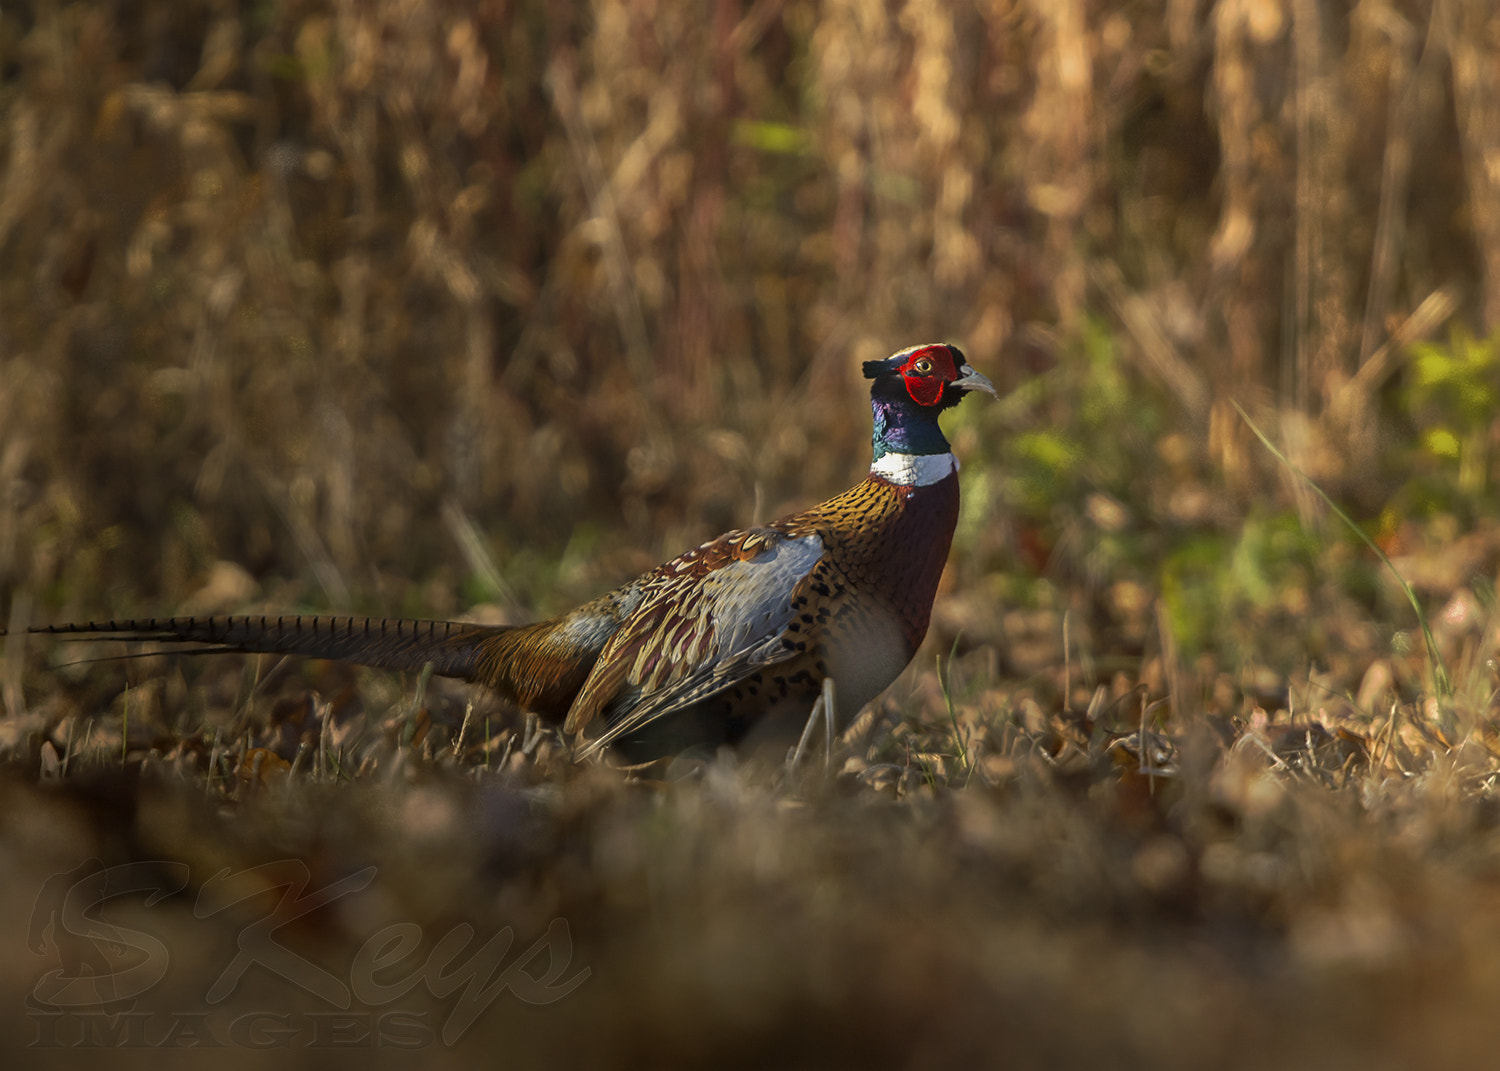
(903, 427)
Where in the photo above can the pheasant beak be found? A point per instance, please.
(972, 380)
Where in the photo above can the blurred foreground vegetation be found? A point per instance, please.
(432, 308)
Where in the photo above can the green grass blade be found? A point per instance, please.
(1439, 671)
(958, 735)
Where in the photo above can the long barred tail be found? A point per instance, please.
(451, 648)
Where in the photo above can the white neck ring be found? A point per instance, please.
(914, 470)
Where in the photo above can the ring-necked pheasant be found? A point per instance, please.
(733, 636)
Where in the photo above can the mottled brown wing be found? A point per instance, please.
(704, 622)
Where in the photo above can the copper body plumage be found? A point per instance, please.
(729, 641)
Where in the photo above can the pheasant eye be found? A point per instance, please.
(923, 367)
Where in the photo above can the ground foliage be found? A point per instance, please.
(440, 308)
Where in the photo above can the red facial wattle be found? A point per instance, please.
(926, 388)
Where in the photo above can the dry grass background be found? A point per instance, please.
(432, 307)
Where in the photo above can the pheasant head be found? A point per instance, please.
(910, 389)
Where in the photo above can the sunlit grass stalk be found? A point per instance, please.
(68, 754)
(958, 736)
(1440, 678)
(322, 766)
(302, 749)
(409, 732)
(458, 742)
(213, 762)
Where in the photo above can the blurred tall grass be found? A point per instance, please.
(358, 297)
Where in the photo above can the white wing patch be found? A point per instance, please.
(749, 601)
(698, 624)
